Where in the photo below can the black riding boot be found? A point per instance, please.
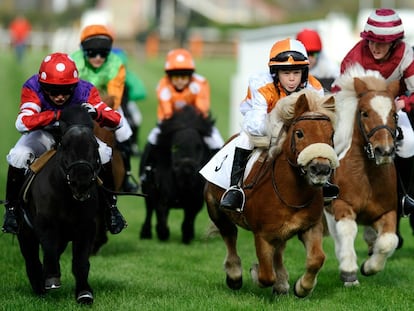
(147, 163)
(114, 219)
(126, 152)
(15, 179)
(330, 192)
(407, 204)
(233, 198)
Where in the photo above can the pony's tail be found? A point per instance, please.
(212, 231)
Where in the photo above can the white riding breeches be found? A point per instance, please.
(32, 145)
(405, 147)
(124, 132)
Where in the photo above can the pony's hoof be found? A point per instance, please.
(352, 284)
(52, 283)
(349, 278)
(300, 291)
(146, 233)
(85, 297)
(234, 284)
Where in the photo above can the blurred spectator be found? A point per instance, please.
(320, 66)
(19, 30)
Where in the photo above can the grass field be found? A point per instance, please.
(131, 274)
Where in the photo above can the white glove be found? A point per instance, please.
(91, 110)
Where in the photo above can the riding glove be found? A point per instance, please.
(91, 110)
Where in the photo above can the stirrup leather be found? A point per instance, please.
(407, 205)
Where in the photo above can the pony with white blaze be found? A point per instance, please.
(365, 141)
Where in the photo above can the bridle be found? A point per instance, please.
(67, 169)
(368, 148)
(306, 117)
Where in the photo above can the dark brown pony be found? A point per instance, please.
(365, 142)
(118, 170)
(108, 137)
(283, 194)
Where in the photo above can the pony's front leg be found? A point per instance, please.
(384, 246)
(344, 232)
(281, 286)
(146, 230)
(315, 257)
(163, 231)
(29, 247)
(263, 273)
(51, 266)
(80, 263)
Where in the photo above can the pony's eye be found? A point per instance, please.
(364, 114)
(299, 133)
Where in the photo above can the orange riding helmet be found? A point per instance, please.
(96, 37)
(288, 54)
(179, 61)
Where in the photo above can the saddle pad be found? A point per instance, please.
(37, 164)
(218, 169)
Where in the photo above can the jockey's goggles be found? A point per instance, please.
(289, 58)
(92, 53)
(55, 90)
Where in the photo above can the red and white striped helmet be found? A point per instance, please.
(383, 25)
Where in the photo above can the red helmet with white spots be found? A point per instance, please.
(58, 69)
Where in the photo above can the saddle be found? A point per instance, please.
(35, 168)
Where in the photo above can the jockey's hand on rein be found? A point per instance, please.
(91, 110)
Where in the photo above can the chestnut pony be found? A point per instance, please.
(283, 194)
(365, 143)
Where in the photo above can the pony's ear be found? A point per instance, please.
(394, 88)
(329, 103)
(360, 86)
(301, 105)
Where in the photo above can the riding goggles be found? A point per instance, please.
(289, 58)
(92, 53)
(55, 90)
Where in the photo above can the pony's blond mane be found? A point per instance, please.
(283, 114)
(347, 102)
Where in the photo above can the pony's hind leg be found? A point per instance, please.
(315, 257)
(384, 246)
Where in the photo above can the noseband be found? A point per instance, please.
(309, 117)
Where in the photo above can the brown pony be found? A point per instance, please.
(365, 143)
(108, 137)
(283, 194)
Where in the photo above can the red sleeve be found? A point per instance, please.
(106, 115)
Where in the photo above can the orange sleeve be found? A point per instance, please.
(202, 101)
(116, 87)
(165, 105)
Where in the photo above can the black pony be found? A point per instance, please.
(62, 204)
(175, 181)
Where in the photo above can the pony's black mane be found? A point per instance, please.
(75, 115)
(188, 117)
